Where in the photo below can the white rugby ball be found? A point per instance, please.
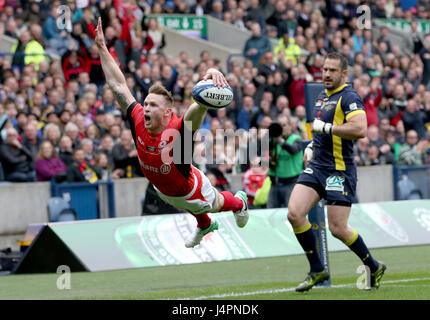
(206, 94)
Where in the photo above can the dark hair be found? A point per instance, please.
(340, 57)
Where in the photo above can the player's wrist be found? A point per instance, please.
(328, 128)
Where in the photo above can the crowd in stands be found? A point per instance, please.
(59, 119)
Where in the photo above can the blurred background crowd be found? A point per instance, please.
(58, 119)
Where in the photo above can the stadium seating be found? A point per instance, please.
(60, 210)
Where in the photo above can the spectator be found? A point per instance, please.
(48, 164)
(217, 9)
(88, 148)
(256, 45)
(415, 119)
(105, 170)
(267, 65)
(106, 144)
(416, 37)
(253, 179)
(373, 155)
(66, 150)
(125, 156)
(156, 34)
(414, 152)
(31, 139)
(372, 98)
(254, 14)
(286, 164)
(360, 152)
(390, 137)
(80, 170)
(52, 133)
(72, 131)
(16, 159)
(28, 51)
(424, 54)
(246, 114)
(287, 49)
(218, 167)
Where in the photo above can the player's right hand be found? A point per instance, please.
(100, 38)
(320, 126)
(309, 153)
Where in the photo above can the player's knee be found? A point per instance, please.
(337, 231)
(294, 214)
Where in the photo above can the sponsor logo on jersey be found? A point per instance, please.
(353, 106)
(335, 183)
(165, 168)
(147, 167)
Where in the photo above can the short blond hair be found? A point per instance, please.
(160, 90)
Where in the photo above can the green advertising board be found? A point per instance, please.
(148, 241)
(405, 25)
(159, 240)
(191, 25)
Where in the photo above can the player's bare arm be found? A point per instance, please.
(354, 128)
(114, 77)
(196, 113)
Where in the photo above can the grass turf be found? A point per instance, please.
(263, 278)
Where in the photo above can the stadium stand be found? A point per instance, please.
(68, 89)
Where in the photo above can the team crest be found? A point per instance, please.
(165, 168)
(335, 183)
(162, 144)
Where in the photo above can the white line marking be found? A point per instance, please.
(272, 291)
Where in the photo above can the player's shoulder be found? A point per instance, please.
(175, 121)
(349, 94)
(133, 108)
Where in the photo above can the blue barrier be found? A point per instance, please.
(85, 198)
(411, 182)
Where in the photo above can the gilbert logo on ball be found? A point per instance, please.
(206, 94)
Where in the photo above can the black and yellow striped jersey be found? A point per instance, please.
(336, 107)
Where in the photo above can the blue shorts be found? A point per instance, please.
(337, 187)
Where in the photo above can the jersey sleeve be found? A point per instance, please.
(134, 114)
(352, 104)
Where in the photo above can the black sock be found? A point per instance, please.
(307, 240)
(357, 245)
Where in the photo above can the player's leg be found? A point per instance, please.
(338, 216)
(238, 203)
(298, 208)
(205, 225)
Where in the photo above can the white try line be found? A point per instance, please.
(281, 290)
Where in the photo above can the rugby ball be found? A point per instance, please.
(209, 96)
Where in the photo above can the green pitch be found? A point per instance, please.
(407, 277)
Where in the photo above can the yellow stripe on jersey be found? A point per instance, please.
(354, 113)
(330, 92)
(339, 118)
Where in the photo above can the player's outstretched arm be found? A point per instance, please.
(114, 77)
(196, 113)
